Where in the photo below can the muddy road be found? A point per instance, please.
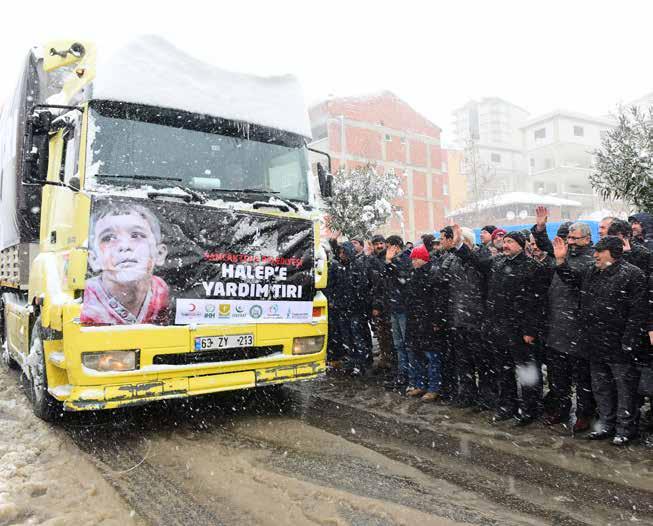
(342, 451)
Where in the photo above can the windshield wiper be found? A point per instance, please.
(137, 177)
(261, 191)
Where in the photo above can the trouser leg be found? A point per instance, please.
(626, 377)
(560, 369)
(465, 365)
(448, 362)
(507, 386)
(433, 372)
(383, 329)
(605, 394)
(585, 405)
(529, 377)
(399, 344)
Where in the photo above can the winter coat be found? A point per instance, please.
(613, 307)
(639, 256)
(348, 288)
(563, 333)
(646, 220)
(425, 306)
(466, 287)
(389, 293)
(516, 288)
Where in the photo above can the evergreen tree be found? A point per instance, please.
(624, 163)
(361, 201)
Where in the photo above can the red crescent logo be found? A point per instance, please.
(193, 307)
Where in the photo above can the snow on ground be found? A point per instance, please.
(44, 479)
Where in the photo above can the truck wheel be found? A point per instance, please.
(43, 404)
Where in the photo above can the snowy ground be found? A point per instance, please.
(44, 479)
(337, 451)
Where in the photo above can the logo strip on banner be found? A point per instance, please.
(226, 312)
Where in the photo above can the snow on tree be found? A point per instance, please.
(624, 163)
(361, 201)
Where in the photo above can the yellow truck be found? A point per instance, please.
(159, 229)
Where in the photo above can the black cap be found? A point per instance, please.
(378, 239)
(489, 228)
(517, 236)
(563, 229)
(612, 243)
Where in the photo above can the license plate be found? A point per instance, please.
(209, 343)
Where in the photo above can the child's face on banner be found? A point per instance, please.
(125, 249)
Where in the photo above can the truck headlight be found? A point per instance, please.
(307, 344)
(111, 360)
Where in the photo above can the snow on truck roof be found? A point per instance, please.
(149, 70)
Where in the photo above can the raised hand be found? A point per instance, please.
(560, 249)
(541, 216)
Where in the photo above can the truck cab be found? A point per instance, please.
(165, 244)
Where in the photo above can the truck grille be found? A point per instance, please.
(222, 355)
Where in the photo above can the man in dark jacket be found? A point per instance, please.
(465, 315)
(642, 225)
(515, 288)
(634, 253)
(347, 292)
(486, 240)
(613, 309)
(424, 326)
(566, 365)
(389, 299)
(380, 318)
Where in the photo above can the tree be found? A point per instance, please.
(361, 201)
(624, 163)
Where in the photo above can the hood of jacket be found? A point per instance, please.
(646, 220)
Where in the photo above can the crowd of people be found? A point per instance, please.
(486, 326)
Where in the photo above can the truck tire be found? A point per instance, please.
(43, 404)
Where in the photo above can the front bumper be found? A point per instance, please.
(79, 388)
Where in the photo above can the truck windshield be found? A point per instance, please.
(133, 144)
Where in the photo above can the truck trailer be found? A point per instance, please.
(160, 229)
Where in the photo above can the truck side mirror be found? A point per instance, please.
(35, 156)
(325, 181)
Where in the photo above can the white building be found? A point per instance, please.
(559, 149)
(489, 132)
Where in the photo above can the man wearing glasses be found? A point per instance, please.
(566, 366)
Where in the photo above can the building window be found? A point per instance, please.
(532, 160)
(579, 131)
(388, 137)
(403, 140)
(445, 189)
(548, 164)
(540, 134)
(495, 157)
(444, 168)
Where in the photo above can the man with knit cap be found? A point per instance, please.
(424, 326)
(486, 239)
(515, 286)
(613, 311)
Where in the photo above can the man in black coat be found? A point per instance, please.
(390, 300)
(642, 225)
(634, 253)
(347, 292)
(566, 365)
(425, 306)
(516, 286)
(465, 315)
(380, 317)
(613, 310)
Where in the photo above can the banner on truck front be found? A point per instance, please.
(168, 263)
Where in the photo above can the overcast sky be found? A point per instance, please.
(584, 56)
